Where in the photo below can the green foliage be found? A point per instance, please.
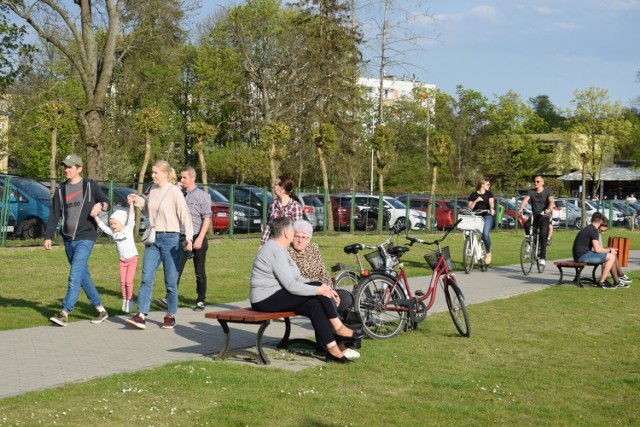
(16, 56)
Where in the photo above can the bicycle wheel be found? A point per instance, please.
(346, 280)
(467, 254)
(379, 319)
(483, 265)
(526, 259)
(457, 308)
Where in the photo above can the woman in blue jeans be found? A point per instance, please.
(168, 213)
(482, 199)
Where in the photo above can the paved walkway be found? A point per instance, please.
(49, 356)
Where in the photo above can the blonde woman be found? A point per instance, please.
(482, 199)
(167, 210)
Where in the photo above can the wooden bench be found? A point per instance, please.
(249, 316)
(578, 267)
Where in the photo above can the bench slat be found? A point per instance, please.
(247, 315)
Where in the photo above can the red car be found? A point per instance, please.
(444, 211)
(341, 209)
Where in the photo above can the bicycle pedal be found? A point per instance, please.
(419, 293)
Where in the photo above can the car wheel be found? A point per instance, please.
(401, 222)
(32, 228)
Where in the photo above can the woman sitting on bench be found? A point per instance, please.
(623, 279)
(587, 248)
(277, 285)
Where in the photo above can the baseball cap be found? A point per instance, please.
(72, 160)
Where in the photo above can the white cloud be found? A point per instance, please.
(542, 10)
(486, 12)
(567, 26)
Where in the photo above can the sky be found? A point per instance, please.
(532, 47)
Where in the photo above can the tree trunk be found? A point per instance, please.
(53, 161)
(434, 181)
(93, 127)
(325, 185)
(143, 171)
(203, 162)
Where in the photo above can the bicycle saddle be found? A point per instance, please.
(353, 249)
(397, 250)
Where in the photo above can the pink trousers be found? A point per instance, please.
(127, 274)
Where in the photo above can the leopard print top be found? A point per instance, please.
(311, 264)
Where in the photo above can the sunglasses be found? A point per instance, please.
(537, 182)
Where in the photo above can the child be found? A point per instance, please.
(125, 244)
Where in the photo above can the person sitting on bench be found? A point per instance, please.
(587, 248)
(277, 285)
(623, 279)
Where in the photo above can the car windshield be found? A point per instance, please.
(508, 204)
(217, 196)
(32, 188)
(260, 194)
(397, 204)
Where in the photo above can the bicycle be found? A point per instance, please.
(347, 276)
(473, 250)
(530, 248)
(386, 304)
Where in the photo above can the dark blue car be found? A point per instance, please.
(30, 203)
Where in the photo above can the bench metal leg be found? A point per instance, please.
(576, 279)
(260, 357)
(285, 342)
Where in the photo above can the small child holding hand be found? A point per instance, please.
(122, 233)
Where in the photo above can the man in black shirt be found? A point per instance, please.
(587, 248)
(541, 206)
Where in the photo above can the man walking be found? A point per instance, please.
(541, 206)
(199, 204)
(77, 201)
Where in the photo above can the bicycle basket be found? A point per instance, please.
(433, 257)
(471, 223)
(378, 262)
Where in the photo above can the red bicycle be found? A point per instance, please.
(386, 304)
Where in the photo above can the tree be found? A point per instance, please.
(545, 109)
(91, 50)
(15, 54)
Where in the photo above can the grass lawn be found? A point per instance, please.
(562, 356)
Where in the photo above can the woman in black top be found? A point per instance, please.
(482, 199)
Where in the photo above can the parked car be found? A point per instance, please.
(443, 212)
(313, 209)
(591, 207)
(397, 209)
(370, 218)
(342, 213)
(120, 203)
(11, 221)
(30, 203)
(245, 218)
(568, 214)
(248, 195)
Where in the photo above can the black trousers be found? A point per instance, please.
(318, 309)
(199, 259)
(541, 222)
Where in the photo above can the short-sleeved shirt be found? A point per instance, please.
(583, 242)
(484, 204)
(199, 204)
(539, 201)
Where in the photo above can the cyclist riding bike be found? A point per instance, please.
(542, 205)
(480, 200)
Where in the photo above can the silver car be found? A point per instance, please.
(313, 209)
(568, 214)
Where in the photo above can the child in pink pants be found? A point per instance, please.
(122, 233)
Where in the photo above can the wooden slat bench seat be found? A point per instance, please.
(249, 316)
(578, 267)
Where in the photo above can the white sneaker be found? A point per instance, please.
(351, 354)
(128, 306)
(124, 305)
(542, 262)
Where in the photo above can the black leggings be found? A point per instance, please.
(317, 308)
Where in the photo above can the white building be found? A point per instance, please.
(393, 87)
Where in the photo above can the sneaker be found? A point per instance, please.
(487, 258)
(606, 285)
(60, 319)
(136, 321)
(162, 302)
(622, 284)
(625, 278)
(199, 306)
(124, 305)
(351, 354)
(542, 262)
(129, 307)
(100, 317)
(548, 242)
(169, 322)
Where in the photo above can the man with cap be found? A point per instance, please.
(77, 201)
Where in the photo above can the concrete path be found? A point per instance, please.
(49, 356)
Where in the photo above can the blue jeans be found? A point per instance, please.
(78, 252)
(486, 237)
(167, 250)
(593, 257)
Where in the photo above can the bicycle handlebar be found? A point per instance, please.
(413, 240)
(474, 213)
(395, 231)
